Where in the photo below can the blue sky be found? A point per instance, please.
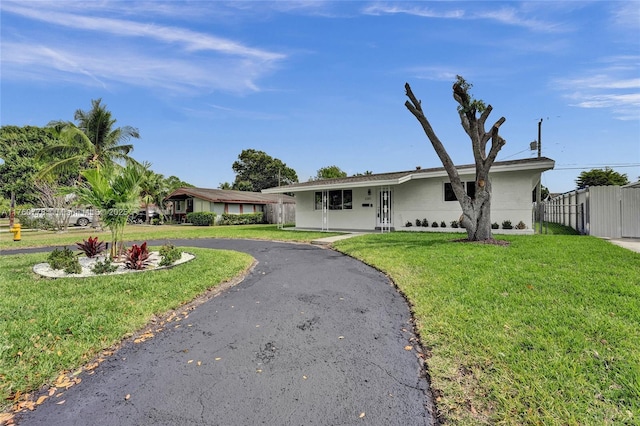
(322, 83)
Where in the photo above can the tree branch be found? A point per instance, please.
(414, 106)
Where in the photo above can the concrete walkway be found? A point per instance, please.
(632, 244)
(309, 337)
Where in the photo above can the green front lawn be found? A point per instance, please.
(140, 233)
(50, 326)
(544, 331)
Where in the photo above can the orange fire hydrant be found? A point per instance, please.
(15, 229)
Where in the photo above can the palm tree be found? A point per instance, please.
(115, 192)
(94, 141)
(153, 189)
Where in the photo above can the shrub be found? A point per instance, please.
(201, 218)
(507, 224)
(137, 257)
(156, 221)
(103, 267)
(241, 219)
(408, 224)
(170, 254)
(495, 225)
(425, 223)
(434, 225)
(92, 247)
(64, 259)
(454, 224)
(30, 222)
(521, 225)
(418, 222)
(443, 224)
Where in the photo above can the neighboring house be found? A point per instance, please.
(602, 211)
(219, 201)
(390, 200)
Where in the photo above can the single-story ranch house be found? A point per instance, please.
(219, 201)
(390, 200)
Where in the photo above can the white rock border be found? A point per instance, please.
(86, 264)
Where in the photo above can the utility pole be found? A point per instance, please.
(539, 188)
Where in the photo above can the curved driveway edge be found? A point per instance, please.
(310, 337)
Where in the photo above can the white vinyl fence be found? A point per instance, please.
(601, 211)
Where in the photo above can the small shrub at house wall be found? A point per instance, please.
(64, 259)
(408, 224)
(156, 221)
(92, 247)
(201, 218)
(443, 224)
(137, 257)
(521, 225)
(242, 219)
(425, 223)
(495, 225)
(454, 224)
(507, 225)
(169, 254)
(434, 225)
(418, 222)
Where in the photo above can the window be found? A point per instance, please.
(318, 201)
(338, 200)
(449, 195)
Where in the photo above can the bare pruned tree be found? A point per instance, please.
(476, 210)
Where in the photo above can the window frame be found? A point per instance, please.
(449, 195)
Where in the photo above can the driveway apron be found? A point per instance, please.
(309, 337)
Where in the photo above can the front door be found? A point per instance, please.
(384, 215)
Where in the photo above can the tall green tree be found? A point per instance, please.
(329, 172)
(115, 191)
(174, 182)
(255, 171)
(19, 148)
(476, 209)
(600, 177)
(153, 189)
(94, 141)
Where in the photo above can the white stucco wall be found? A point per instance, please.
(424, 199)
(359, 217)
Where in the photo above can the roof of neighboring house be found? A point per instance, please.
(229, 196)
(395, 178)
(632, 185)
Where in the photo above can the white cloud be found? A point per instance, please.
(615, 87)
(504, 15)
(47, 63)
(129, 52)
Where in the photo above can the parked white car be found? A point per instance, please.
(78, 217)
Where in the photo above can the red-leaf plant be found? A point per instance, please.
(137, 257)
(92, 247)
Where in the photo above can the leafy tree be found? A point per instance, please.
(115, 191)
(255, 171)
(476, 211)
(225, 185)
(366, 173)
(153, 189)
(173, 182)
(19, 147)
(94, 142)
(329, 172)
(599, 177)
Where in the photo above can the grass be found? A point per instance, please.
(49, 326)
(543, 331)
(141, 233)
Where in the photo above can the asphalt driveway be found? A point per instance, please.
(309, 337)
